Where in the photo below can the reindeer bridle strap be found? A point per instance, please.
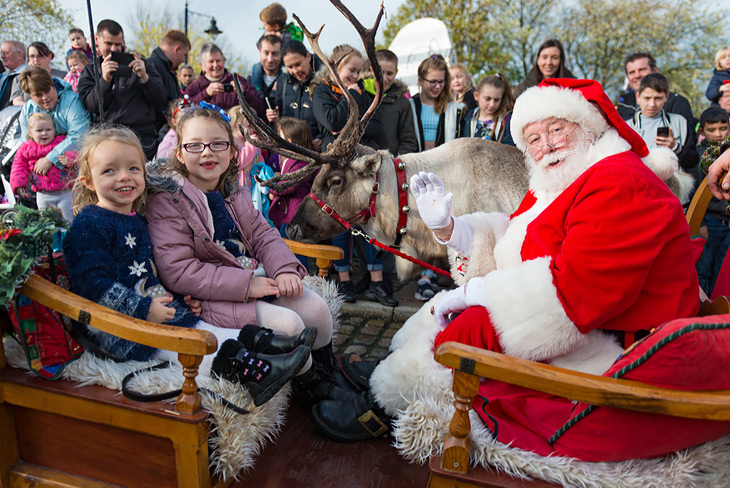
(364, 214)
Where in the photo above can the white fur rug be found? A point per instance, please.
(417, 390)
(235, 439)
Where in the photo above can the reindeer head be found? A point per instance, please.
(344, 149)
(346, 188)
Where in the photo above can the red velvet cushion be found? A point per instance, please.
(688, 354)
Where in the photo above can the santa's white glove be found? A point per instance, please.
(434, 206)
(453, 301)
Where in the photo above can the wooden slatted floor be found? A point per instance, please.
(300, 456)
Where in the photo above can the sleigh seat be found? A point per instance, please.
(455, 467)
(62, 434)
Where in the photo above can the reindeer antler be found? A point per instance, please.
(343, 148)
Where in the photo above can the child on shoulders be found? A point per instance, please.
(76, 62)
(78, 42)
(720, 81)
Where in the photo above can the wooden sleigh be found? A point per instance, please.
(471, 364)
(56, 434)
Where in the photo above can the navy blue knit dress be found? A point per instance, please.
(109, 261)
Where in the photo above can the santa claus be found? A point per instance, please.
(597, 253)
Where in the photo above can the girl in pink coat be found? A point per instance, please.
(210, 242)
(51, 182)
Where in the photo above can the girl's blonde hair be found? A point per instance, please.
(231, 174)
(36, 117)
(459, 97)
(720, 54)
(296, 130)
(343, 53)
(236, 115)
(437, 62)
(83, 196)
(500, 82)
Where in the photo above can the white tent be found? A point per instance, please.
(415, 42)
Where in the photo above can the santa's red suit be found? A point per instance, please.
(612, 251)
(609, 251)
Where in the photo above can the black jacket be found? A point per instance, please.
(126, 100)
(163, 65)
(294, 100)
(398, 134)
(331, 111)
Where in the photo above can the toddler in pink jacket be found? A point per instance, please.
(51, 182)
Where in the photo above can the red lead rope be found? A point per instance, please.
(384, 247)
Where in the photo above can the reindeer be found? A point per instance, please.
(484, 176)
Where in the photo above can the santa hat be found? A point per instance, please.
(585, 103)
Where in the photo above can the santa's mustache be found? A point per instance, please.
(552, 158)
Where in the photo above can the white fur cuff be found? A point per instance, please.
(526, 312)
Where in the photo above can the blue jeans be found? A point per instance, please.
(708, 267)
(343, 240)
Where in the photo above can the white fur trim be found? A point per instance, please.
(460, 237)
(686, 185)
(410, 371)
(538, 103)
(478, 260)
(598, 354)
(662, 161)
(526, 312)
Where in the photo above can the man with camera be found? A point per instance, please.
(215, 84)
(130, 87)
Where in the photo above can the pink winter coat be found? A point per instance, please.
(25, 158)
(286, 202)
(190, 262)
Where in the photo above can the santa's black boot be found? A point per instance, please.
(263, 340)
(355, 372)
(357, 419)
(261, 374)
(319, 383)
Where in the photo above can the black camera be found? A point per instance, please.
(227, 87)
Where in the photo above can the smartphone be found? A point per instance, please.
(268, 103)
(227, 87)
(662, 131)
(123, 60)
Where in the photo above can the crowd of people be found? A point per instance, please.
(120, 126)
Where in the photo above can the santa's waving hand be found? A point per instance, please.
(434, 207)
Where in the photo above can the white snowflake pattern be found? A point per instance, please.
(137, 269)
(221, 244)
(130, 241)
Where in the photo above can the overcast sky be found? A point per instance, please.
(239, 19)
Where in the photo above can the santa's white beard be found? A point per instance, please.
(555, 179)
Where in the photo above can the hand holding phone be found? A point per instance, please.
(227, 87)
(123, 60)
(662, 131)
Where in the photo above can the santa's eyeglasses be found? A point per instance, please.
(556, 138)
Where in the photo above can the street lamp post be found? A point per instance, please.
(212, 29)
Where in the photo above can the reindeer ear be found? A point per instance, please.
(368, 164)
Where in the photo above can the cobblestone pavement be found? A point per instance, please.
(366, 327)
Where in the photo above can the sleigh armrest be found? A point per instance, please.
(323, 254)
(190, 344)
(470, 364)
